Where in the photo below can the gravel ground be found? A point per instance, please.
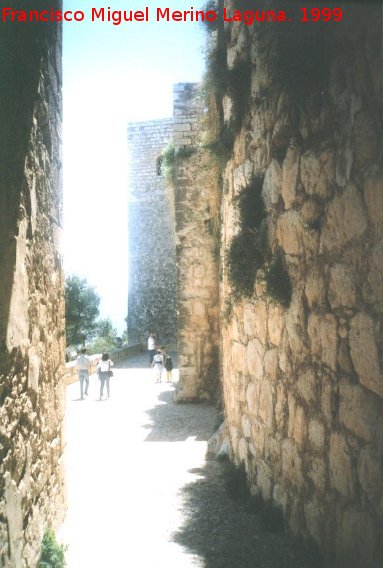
(170, 506)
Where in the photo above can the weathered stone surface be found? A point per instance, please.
(364, 353)
(344, 358)
(315, 289)
(342, 290)
(341, 476)
(239, 358)
(314, 519)
(293, 238)
(311, 212)
(322, 331)
(271, 364)
(255, 320)
(254, 358)
(296, 327)
(317, 473)
(375, 276)
(297, 426)
(364, 139)
(306, 386)
(32, 327)
(346, 220)
(264, 479)
(275, 322)
(291, 463)
(359, 411)
(356, 539)
(272, 185)
(316, 435)
(266, 403)
(290, 170)
(370, 473)
(317, 172)
(373, 198)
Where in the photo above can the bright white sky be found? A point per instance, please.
(113, 75)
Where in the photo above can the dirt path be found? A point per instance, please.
(140, 491)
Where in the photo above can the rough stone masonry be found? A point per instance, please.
(32, 335)
(303, 384)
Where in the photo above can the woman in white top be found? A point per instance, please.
(104, 373)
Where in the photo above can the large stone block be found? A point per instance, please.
(346, 220)
(322, 330)
(254, 358)
(239, 357)
(290, 169)
(296, 328)
(315, 288)
(360, 411)
(292, 464)
(342, 290)
(317, 435)
(317, 172)
(297, 426)
(317, 472)
(364, 353)
(275, 324)
(255, 320)
(341, 474)
(293, 237)
(306, 386)
(271, 364)
(272, 185)
(370, 473)
(265, 410)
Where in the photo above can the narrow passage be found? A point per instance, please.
(140, 491)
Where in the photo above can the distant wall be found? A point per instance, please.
(152, 272)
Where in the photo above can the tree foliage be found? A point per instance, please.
(81, 310)
(105, 339)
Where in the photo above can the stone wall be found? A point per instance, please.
(303, 385)
(152, 273)
(197, 252)
(31, 292)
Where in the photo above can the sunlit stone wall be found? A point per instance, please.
(32, 341)
(303, 385)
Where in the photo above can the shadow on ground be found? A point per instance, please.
(170, 422)
(219, 529)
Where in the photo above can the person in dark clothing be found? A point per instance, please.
(168, 364)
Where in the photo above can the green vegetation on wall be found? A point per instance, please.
(278, 285)
(248, 257)
(52, 553)
(170, 156)
(245, 254)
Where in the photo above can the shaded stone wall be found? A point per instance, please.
(197, 252)
(303, 385)
(32, 336)
(152, 272)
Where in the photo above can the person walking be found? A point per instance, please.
(158, 361)
(168, 364)
(104, 373)
(151, 347)
(83, 364)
